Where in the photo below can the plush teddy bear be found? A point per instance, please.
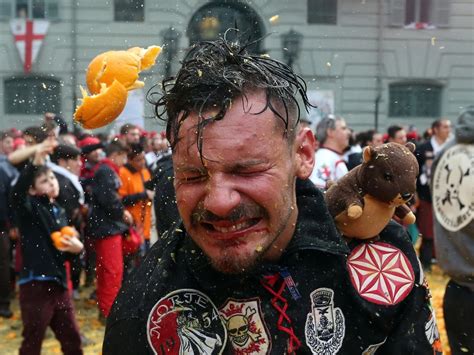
(365, 199)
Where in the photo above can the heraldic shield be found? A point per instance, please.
(325, 325)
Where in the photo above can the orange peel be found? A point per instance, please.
(109, 76)
(57, 239)
(123, 66)
(69, 231)
(147, 56)
(99, 110)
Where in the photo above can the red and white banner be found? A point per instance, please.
(28, 36)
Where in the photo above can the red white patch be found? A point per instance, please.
(186, 321)
(245, 326)
(380, 273)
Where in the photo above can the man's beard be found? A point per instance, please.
(228, 263)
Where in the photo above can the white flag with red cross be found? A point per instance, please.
(28, 35)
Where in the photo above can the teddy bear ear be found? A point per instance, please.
(411, 147)
(367, 153)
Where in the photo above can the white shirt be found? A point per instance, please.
(329, 166)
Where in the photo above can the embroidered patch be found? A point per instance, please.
(373, 348)
(432, 333)
(453, 188)
(325, 325)
(380, 273)
(186, 322)
(245, 326)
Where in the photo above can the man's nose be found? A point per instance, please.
(221, 196)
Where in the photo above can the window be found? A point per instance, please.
(32, 95)
(417, 11)
(129, 10)
(213, 19)
(420, 14)
(415, 100)
(322, 12)
(31, 9)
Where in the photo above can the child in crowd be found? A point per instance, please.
(44, 297)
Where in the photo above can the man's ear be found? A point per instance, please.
(305, 144)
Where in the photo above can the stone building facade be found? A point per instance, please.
(375, 62)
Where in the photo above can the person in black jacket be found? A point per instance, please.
(257, 265)
(164, 202)
(66, 164)
(44, 297)
(107, 224)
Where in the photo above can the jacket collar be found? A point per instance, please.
(130, 168)
(315, 230)
(109, 163)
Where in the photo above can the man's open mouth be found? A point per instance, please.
(230, 227)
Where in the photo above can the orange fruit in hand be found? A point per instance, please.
(99, 110)
(57, 239)
(69, 231)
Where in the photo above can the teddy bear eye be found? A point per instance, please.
(387, 176)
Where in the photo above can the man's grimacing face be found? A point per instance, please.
(240, 206)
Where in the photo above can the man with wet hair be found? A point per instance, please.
(256, 266)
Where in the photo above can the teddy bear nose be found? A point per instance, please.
(407, 196)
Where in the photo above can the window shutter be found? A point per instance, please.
(441, 13)
(5, 9)
(397, 13)
(52, 10)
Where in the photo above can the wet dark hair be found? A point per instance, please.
(213, 74)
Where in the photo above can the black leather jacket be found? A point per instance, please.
(322, 297)
(106, 215)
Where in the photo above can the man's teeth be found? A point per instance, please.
(233, 228)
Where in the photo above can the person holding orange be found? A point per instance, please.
(44, 296)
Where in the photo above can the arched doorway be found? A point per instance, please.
(213, 19)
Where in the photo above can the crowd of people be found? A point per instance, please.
(100, 186)
(250, 201)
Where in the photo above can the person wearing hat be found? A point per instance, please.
(92, 153)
